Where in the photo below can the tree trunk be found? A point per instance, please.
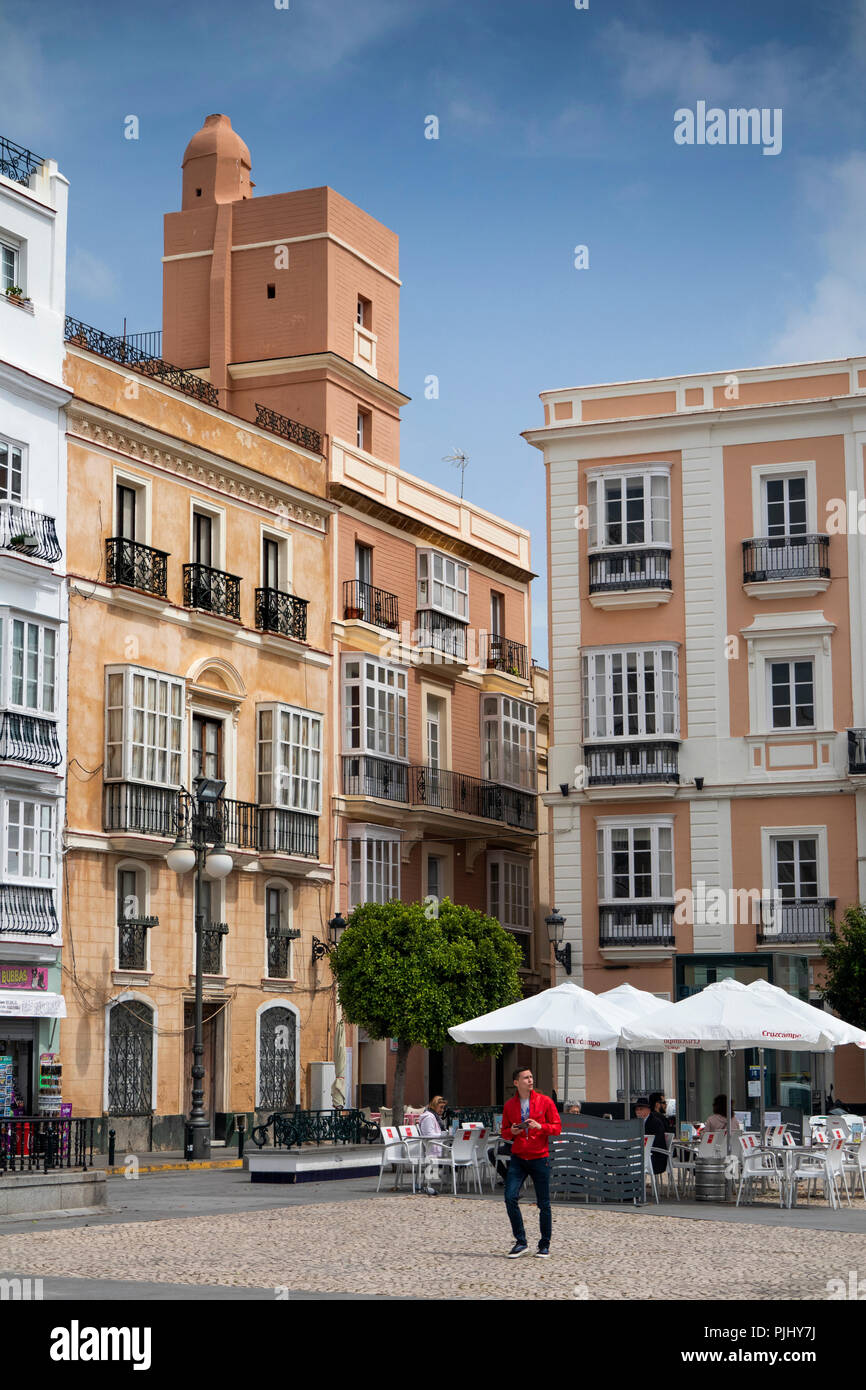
(449, 1073)
(403, 1050)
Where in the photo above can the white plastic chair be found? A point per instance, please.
(395, 1153)
(411, 1136)
(680, 1164)
(836, 1166)
(464, 1154)
(712, 1143)
(648, 1170)
(813, 1167)
(760, 1166)
(855, 1162)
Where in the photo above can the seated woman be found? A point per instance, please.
(429, 1127)
(719, 1118)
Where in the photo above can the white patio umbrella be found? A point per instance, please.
(836, 1028)
(723, 1017)
(636, 1003)
(565, 1016)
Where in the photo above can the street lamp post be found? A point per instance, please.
(555, 924)
(205, 829)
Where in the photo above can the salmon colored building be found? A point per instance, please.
(708, 638)
(199, 573)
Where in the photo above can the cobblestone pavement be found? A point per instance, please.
(448, 1248)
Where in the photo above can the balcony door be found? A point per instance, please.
(126, 512)
(785, 507)
(271, 563)
(203, 539)
(435, 745)
(796, 869)
(207, 747)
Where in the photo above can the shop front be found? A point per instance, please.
(31, 1008)
(791, 1080)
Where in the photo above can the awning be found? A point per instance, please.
(29, 1003)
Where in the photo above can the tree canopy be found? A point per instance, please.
(844, 987)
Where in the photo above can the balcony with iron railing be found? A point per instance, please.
(438, 633)
(788, 921)
(27, 532)
(630, 764)
(138, 809)
(775, 559)
(212, 947)
(503, 654)
(18, 163)
(132, 941)
(447, 790)
(370, 605)
(382, 778)
(27, 738)
(283, 613)
(623, 571)
(636, 924)
(125, 352)
(136, 566)
(857, 752)
(27, 911)
(212, 591)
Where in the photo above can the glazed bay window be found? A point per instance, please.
(28, 841)
(508, 741)
(374, 865)
(143, 726)
(443, 584)
(509, 897)
(374, 707)
(290, 758)
(11, 470)
(631, 715)
(629, 520)
(635, 872)
(29, 665)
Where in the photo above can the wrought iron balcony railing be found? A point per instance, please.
(795, 919)
(282, 613)
(271, 420)
(28, 532)
(441, 633)
(638, 924)
(212, 947)
(786, 557)
(16, 162)
(27, 911)
(150, 343)
(136, 566)
(365, 775)
(857, 750)
(132, 942)
(472, 796)
(133, 807)
(123, 351)
(505, 655)
(212, 590)
(374, 606)
(630, 764)
(642, 567)
(288, 832)
(25, 738)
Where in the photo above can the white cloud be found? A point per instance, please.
(831, 321)
(89, 276)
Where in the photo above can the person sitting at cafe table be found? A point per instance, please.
(655, 1125)
(719, 1118)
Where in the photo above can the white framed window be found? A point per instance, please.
(28, 840)
(11, 470)
(290, 758)
(374, 864)
(791, 694)
(635, 861)
(207, 535)
(29, 665)
(10, 263)
(279, 952)
(633, 693)
(629, 507)
(144, 721)
(795, 867)
(784, 508)
(508, 741)
(375, 707)
(443, 584)
(509, 890)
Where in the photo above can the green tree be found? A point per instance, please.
(844, 987)
(405, 973)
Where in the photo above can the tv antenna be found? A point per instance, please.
(459, 460)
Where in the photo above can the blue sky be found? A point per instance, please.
(556, 129)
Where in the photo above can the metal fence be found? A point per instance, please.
(39, 1144)
(290, 1129)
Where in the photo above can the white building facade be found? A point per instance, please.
(33, 619)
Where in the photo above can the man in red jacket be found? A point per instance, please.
(528, 1119)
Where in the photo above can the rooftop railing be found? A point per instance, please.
(126, 354)
(272, 420)
(18, 163)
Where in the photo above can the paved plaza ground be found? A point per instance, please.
(213, 1234)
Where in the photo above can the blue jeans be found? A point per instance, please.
(519, 1169)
